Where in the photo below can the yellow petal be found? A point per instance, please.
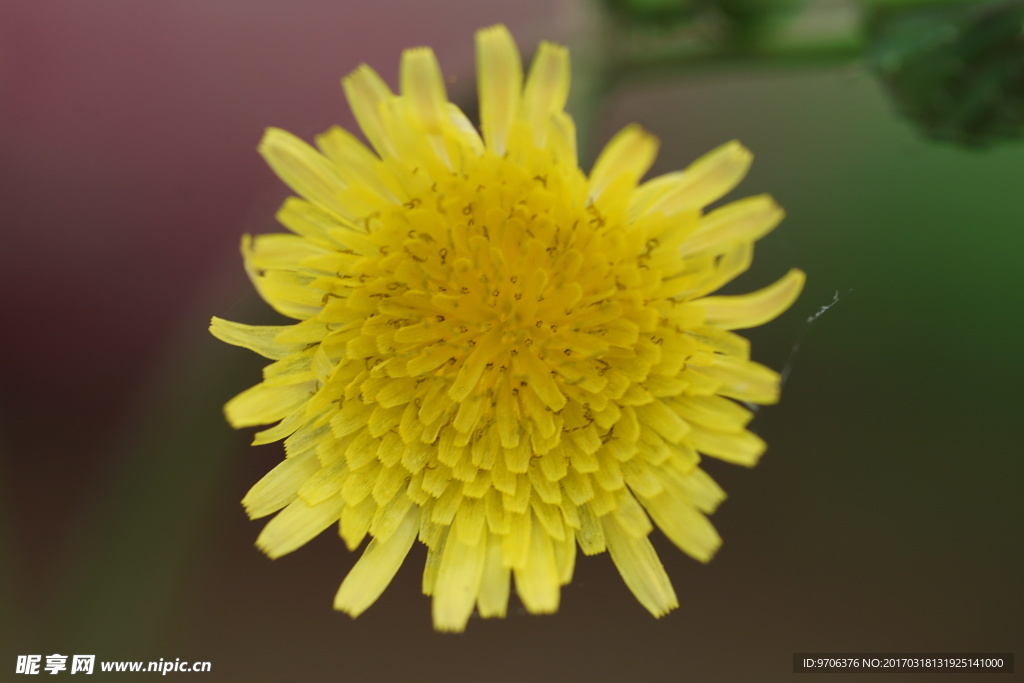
(562, 139)
(662, 419)
(500, 82)
(549, 516)
(731, 265)
(547, 88)
(326, 483)
(713, 412)
(423, 85)
(367, 95)
(756, 308)
(279, 486)
(743, 448)
(541, 383)
(377, 567)
(356, 164)
(703, 182)
(624, 159)
(463, 131)
(458, 582)
(281, 251)
(745, 220)
(537, 581)
(640, 568)
(494, 585)
(282, 429)
(296, 368)
(683, 524)
(515, 546)
(700, 489)
(722, 341)
(565, 558)
(590, 534)
(263, 404)
(297, 524)
(631, 516)
(258, 338)
(355, 521)
(303, 169)
(320, 226)
(387, 517)
(289, 292)
(471, 519)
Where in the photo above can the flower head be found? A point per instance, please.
(495, 353)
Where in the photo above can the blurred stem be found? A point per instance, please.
(687, 60)
(618, 52)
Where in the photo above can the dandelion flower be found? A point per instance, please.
(496, 353)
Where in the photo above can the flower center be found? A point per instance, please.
(507, 271)
(498, 309)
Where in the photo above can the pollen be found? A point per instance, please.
(495, 353)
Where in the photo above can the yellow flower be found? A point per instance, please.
(495, 353)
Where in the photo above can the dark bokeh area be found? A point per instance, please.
(886, 515)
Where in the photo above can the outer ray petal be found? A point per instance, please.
(356, 164)
(279, 487)
(297, 524)
(500, 82)
(562, 139)
(743, 221)
(377, 567)
(684, 525)
(537, 581)
(703, 182)
(547, 89)
(458, 582)
(423, 85)
(640, 567)
(625, 158)
(303, 169)
(494, 585)
(741, 448)
(367, 94)
(701, 490)
(258, 338)
(287, 291)
(263, 403)
(756, 308)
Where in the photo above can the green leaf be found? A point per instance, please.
(955, 70)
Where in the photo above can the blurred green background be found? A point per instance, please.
(886, 515)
